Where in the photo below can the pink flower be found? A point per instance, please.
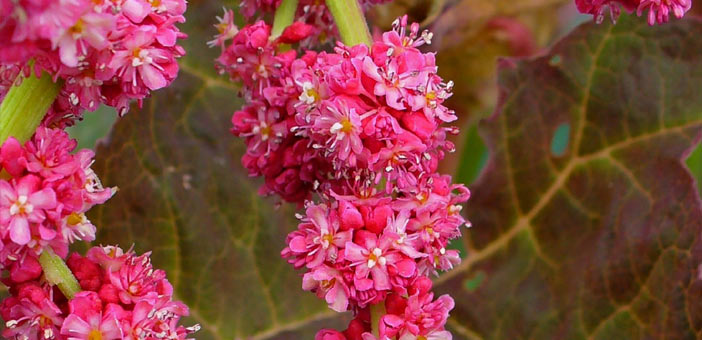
(21, 202)
(48, 154)
(318, 238)
(136, 278)
(31, 314)
(226, 28)
(391, 83)
(659, 10)
(404, 242)
(87, 322)
(263, 128)
(328, 284)
(140, 61)
(370, 255)
(92, 28)
(423, 316)
(340, 126)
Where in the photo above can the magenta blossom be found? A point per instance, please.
(22, 202)
(329, 285)
(318, 238)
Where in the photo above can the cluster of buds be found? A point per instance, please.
(44, 200)
(104, 52)
(361, 131)
(659, 11)
(122, 297)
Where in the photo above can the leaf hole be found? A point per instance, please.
(473, 283)
(560, 140)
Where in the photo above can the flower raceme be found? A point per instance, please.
(123, 297)
(357, 114)
(105, 52)
(44, 200)
(659, 11)
(361, 128)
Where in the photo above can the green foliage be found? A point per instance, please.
(602, 240)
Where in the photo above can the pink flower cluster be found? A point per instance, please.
(107, 52)
(659, 11)
(122, 297)
(362, 128)
(44, 200)
(311, 12)
(341, 122)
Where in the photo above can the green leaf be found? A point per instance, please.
(601, 240)
(184, 195)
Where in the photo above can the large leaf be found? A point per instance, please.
(185, 196)
(599, 238)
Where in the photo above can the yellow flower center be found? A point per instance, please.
(74, 219)
(95, 335)
(328, 237)
(313, 93)
(327, 284)
(77, 28)
(266, 131)
(346, 126)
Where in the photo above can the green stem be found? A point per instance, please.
(284, 16)
(351, 22)
(58, 274)
(376, 312)
(25, 105)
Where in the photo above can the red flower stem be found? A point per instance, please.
(350, 21)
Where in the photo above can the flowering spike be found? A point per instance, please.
(35, 311)
(361, 127)
(106, 52)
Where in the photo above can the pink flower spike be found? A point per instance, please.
(23, 202)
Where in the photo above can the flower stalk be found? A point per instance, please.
(284, 17)
(350, 21)
(26, 105)
(58, 274)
